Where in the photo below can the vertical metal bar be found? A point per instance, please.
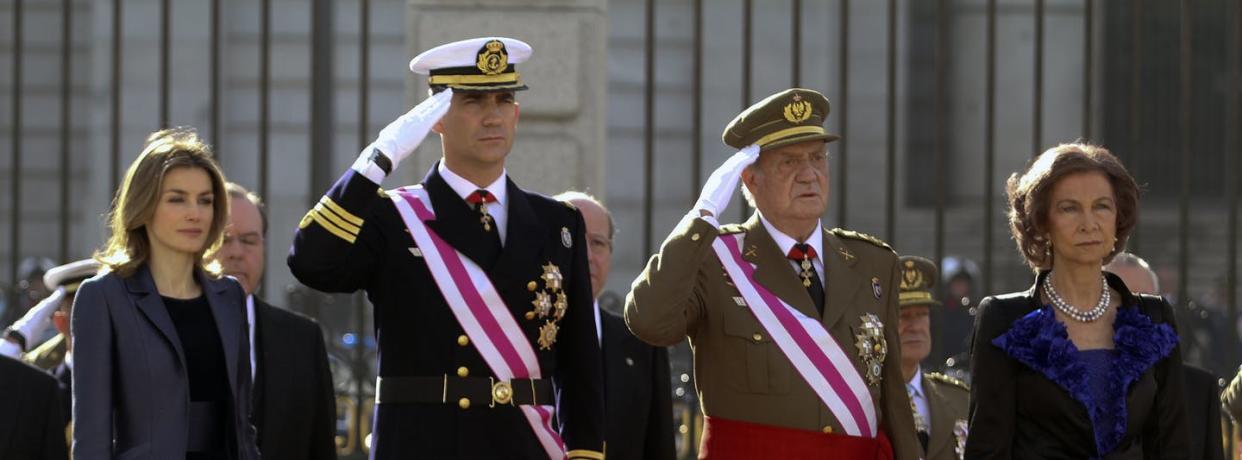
(265, 72)
(165, 64)
(748, 8)
(66, 122)
(114, 128)
(15, 168)
(795, 44)
(843, 143)
(216, 136)
(1037, 131)
(890, 137)
(364, 107)
(989, 147)
(322, 115)
(1136, 107)
(942, 57)
(1183, 234)
(696, 128)
(649, 88)
(1088, 64)
(1232, 151)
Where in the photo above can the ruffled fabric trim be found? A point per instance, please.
(1040, 342)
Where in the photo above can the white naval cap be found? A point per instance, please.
(477, 64)
(70, 275)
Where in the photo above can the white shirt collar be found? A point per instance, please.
(916, 383)
(599, 326)
(254, 362)
(786, 242)
(464, 187)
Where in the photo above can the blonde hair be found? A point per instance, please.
(133, 207)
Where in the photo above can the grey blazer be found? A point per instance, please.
(131, 393)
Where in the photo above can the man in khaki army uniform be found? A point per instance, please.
(939, 402)
(793, 326)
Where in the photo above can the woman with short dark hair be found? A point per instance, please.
(1077, 366)
(160, 338)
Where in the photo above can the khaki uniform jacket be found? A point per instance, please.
(740, 373)
(948, 401)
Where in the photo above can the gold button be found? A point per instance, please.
(757, 336)
(694, 237)
(828, 429)
(463, 340)
(531, 286)
(463, 403)
(530, 315)
(463, 372)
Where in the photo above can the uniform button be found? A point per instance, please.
(531, 286)
(463, 340)
(828, 429)
(463, 372)
(757, 336)
(463, 403)
(530, 315)
(694, 237)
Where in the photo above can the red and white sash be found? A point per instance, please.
(804, 341)
(479, 309)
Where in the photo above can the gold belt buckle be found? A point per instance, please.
(502, 392)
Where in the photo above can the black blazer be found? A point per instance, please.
(31, 424)
(1203, 414)
(638, 395)
(131, 393)
(294, 402)
(1018, 411)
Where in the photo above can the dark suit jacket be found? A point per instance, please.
(1203, 414)
(639, 399)
(31, 424)
(356, 239)
(131, 391)
(294, 402)
(1018, 411)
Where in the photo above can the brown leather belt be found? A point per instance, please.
(445, 389)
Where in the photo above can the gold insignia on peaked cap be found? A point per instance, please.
(476, 65)
(788, 117)
(918, 282)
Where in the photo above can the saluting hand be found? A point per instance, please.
(720, 186)
(399, 139)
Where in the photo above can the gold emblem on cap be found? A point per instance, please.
(799, 110)
(911, 278)
(492, 58)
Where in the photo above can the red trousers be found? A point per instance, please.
(725, 439)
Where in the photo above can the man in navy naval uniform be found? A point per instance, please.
(444, 389)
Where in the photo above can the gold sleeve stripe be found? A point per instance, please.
(327, 225)
(583, 453)
(328, 214)
(341, 211)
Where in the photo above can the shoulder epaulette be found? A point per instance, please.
(729, 229)
(853, 235)
(938, 377)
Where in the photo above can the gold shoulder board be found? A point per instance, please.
(729, 229)
(853, 235)
(936, 376)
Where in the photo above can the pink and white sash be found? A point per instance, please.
(804, 341)
(479, 309)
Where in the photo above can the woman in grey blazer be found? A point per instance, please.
(161, 368)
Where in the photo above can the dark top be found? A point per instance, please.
(31, 425)
(1031, 391)
(204, 357)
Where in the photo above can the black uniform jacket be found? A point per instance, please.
(294, 402)
(31, 423)
(1030, 394)
(355, 239)
(640, 400)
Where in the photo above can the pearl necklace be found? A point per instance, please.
(1072, 311)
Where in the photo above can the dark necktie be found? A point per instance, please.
(805, 256)
(490, 247)
(479, 200)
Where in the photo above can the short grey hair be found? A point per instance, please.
(572, 195)
(1126, 259)
(237, 192)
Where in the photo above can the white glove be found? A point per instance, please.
(399, 139)
(36, 320)
(722, 184)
